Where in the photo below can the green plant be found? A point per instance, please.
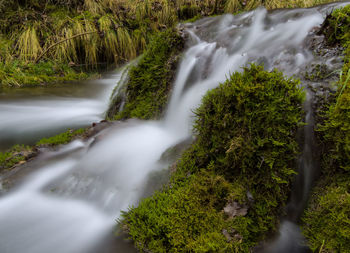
(62, 138)
(245, 146)
(13, 156)
(149, 81)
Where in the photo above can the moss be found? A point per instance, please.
(327, 218)
(62, 138)
(150, 81)
(21, 153)
(245, 146)
(13, 156)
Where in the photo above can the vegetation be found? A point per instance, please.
(13, 156)
(62, 138)
(243, 159)
(75, 36)
(150, 81)
(20, 153)
(326, 221)
(19, 73)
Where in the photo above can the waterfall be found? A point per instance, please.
(71, 201)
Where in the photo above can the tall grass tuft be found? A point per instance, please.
(28, 44)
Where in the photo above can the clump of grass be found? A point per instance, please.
(62, 138)
(28, 44)
(244, 153)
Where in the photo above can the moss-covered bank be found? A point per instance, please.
(327, 219)
(228, 189)
(149, 84)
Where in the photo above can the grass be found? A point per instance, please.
(245, 144)
(17, 73)
(90, 33)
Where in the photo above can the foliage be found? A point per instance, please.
(13, 156)
(62, 138)
(245, 145)
(149, 82)
(335, 129)
(95, 33)
(327, 219)
(17, 73)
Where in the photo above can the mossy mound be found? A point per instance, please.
(242, 160)
(327, 219)
(150, 81)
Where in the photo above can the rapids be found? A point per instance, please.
(71, 200)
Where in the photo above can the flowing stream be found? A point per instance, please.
(71, 200)
(28, 114)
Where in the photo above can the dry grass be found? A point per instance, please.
(120, 29)
(232, 6)
(28, 44)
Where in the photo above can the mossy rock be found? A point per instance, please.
(244, 154)
(150, 81)
(15, 155)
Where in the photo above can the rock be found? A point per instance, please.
(227, 235)
(231, 235)
(233, 209)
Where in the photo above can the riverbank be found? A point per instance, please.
(50, 41)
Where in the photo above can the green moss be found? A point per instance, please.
(13, 156)
(327, 219)
(150, 81)
(245, 144)
(62, 138)
(336, 26)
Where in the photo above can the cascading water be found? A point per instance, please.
(72, 200)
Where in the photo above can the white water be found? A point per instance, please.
(28, 114)
(71, 202)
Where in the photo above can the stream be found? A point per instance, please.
(29, 114)
(72, 197)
